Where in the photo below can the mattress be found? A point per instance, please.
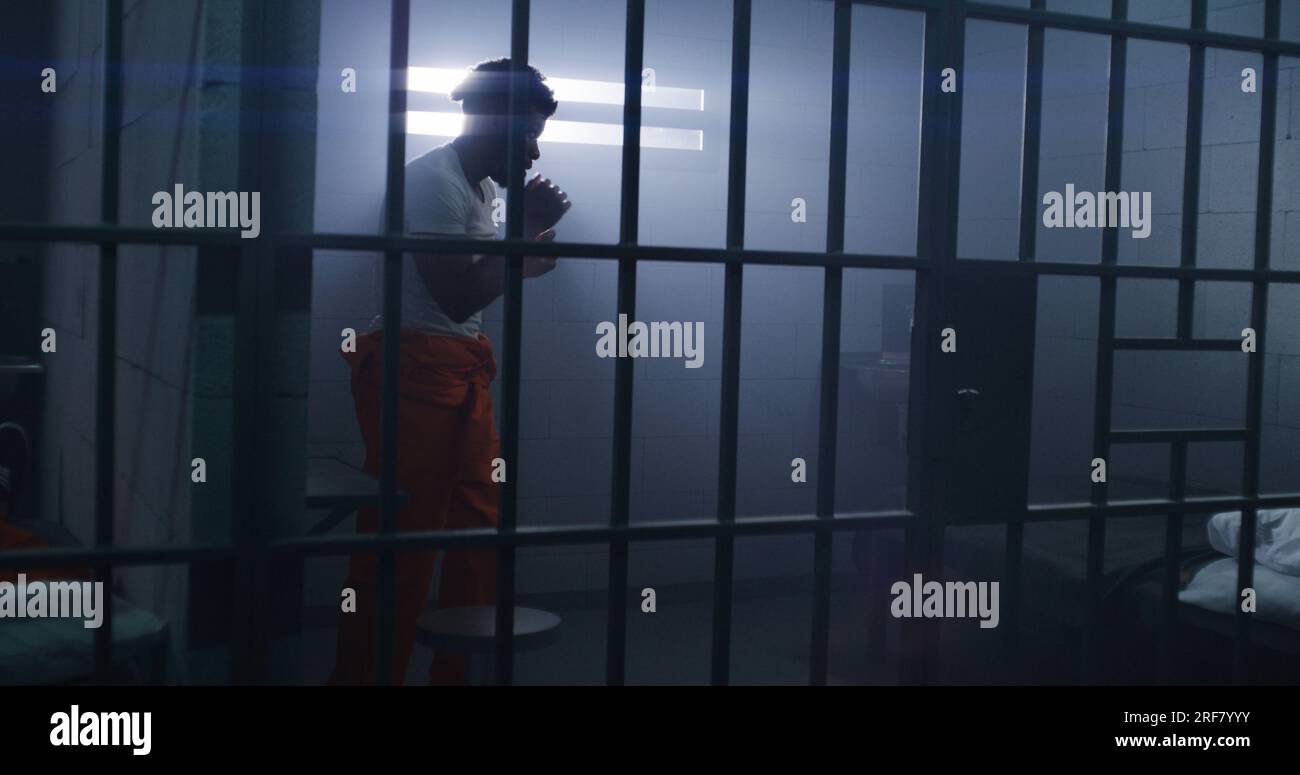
(52, 651)
(1054, 563)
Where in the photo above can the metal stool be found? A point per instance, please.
(472, 630)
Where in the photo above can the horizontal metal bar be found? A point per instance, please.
(412, 243)
(10, 232)
(645, 531)
(598, 534)
(1208, 345)
(595, 250)
(914, 5)
(1157, 435)
(122, 235)
(1138, 508)
(1132, 271)
(67, 556)
(1141, 30)
(528, 536)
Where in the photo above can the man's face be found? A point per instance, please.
(536, 124)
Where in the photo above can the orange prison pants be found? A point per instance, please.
(446, 441)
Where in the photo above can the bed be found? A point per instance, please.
(62, 651)
(1054, 597)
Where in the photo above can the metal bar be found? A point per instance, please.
(1031, 142)
(673, 530)
(1168, 627)
(1145, 508)
(724, 548)
(513, 326)
(936, 224)
(540, 536)
(1105, 351)
(1192, 173)
(431, 244)
(832, 300)
(323, 546)
(1127, 29)
(1177, 434)
(253, 374)
(1197, 345)
(399, 44)
(1132, 270)
(1258, 319)
(934, 529)
(619, 513)
(1015, 539)
(115, 555)
(106, 352)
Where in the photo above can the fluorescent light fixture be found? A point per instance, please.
(441, 80)
(424, 122)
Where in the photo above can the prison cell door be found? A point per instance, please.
(982, 393)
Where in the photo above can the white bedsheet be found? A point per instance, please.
(1214, 588)
(49, 651)
(1277, 537)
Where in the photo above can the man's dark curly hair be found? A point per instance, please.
(485, 89)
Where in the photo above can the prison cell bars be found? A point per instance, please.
(105, 556)
(1105, 347)
(105, 355)
(832, 301)
(395, 222)
(1030, 144)
(936, 237)
(629, 226)
(1168, 624)
(1258, 318)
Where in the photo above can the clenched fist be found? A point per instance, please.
(544, 205)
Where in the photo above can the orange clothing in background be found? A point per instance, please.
(14, 537)
(446, 442)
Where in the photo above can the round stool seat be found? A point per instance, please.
(473, 628)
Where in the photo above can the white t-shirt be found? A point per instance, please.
(439, 200)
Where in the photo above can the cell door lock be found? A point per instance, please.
(966, 398)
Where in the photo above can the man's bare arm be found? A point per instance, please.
(462, 286)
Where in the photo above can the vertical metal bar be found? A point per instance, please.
(252, 405)
(399, 45)
(1032, 139)
(1105, 347)
(1032, 142)
(106, 354)
(1168, 626)
(1192, 171)
(510, 372)
(616, 634)
(724, 549)
(1258, 317)
(832, 299)
(945, 33)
